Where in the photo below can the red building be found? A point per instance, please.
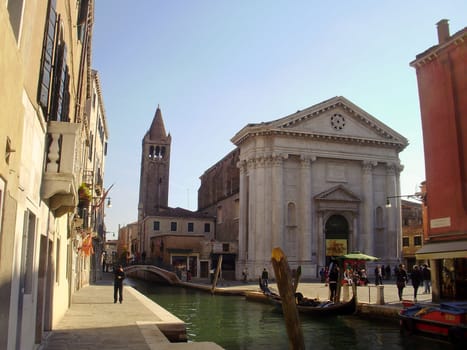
(442, 86)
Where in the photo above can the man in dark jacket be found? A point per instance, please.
(426, 279)
(119, 276)
(417, 279)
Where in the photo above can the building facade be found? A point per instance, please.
(412, 232)
(442, 81)
(314, 183)
(45, 127)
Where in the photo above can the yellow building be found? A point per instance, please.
(46, 130)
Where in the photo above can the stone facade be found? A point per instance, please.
(314, 183)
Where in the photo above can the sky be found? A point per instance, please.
(214, 66)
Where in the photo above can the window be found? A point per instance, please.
(207, 227)
(47, 58)
(173, 226)
(417, 240)
(82, 17)
(225, 247)
(156, 225)
(405, 241)
(191, 227)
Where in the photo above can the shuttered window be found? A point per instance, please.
(60, 88)
(47, 58)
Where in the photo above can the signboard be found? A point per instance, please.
(336, 247)
(441, 222)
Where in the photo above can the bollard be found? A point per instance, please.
(380, 295)
(345, 292)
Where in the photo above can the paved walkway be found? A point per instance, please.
(95, 322)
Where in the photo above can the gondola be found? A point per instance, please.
(327, 308)
(313, 306)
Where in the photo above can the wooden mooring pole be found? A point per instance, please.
(286, 291)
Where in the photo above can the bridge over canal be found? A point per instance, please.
(152, 273)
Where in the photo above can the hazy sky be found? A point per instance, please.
(214, 66)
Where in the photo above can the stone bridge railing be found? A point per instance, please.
(138, 270)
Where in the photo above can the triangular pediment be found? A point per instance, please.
(336, 119)
(339, 194)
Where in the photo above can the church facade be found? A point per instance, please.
(315, 183)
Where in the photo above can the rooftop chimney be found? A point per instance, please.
(443, 31)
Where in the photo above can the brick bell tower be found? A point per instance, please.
(155, 165)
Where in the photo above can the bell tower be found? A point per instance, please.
(155, 165)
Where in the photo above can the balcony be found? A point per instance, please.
(60, 181)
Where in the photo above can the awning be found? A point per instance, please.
(443, 250)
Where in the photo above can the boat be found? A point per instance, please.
(327, 308)
(448, 320)
(316, 307)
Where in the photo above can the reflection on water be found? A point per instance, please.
(234, 323)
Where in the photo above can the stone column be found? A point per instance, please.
(392, 191)
(277, 201)
(367, 229)
(304, 253)
(243, 213)
(321, 240)
(251, 209)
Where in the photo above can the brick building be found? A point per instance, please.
(442, 86)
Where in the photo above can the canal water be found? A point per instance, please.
(235, 323)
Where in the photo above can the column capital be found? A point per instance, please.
(368, 165)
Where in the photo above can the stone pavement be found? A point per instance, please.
(94, 322)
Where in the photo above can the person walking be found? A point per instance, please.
(119, 276)
(426, 279)
(265, 277)
(333, 276)
(417, 279)
(378, 275)
(401, 279)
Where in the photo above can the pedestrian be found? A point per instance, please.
(322, 275)
(333, 276)
(119, 276)
(265, 277)
(426, 273)
(245, 274)
(401, 279)
(388, 272)
(417, 279)
(143, 256)
(104, 263)
(378, 275)
(383, 272)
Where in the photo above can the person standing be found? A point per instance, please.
(426, 279)
(417, 279)
(333, 276)
(119, 276)
(401, 279)
(378, 275)
(265, 277)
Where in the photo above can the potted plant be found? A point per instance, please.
(84, 194)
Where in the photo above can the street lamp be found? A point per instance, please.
(109, 203)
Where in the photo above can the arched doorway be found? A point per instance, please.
(336, 233)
